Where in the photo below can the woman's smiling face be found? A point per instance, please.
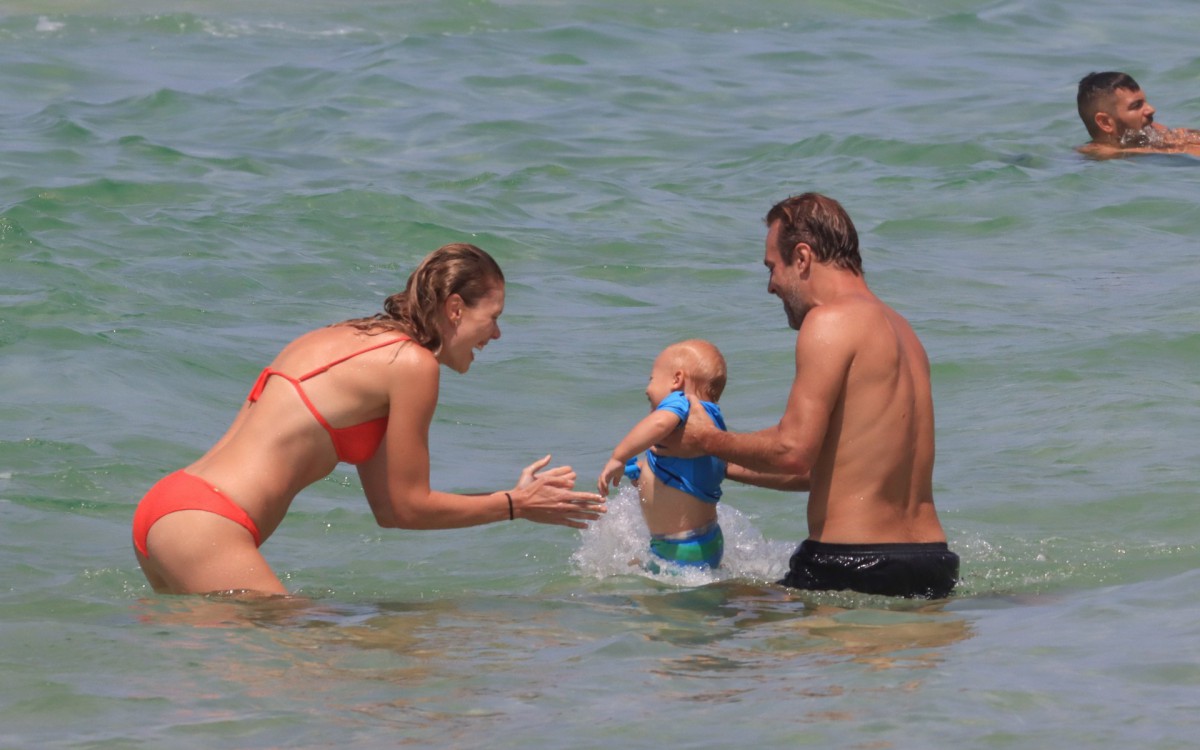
(470, 328)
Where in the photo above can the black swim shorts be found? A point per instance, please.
(927, 571)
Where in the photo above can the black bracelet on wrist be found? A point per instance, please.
(510, 506)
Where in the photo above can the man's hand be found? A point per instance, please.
(689, 440)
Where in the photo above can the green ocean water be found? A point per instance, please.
(184, 188)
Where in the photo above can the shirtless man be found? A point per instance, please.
(1121, 122)
(857, 432)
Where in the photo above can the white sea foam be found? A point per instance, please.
(618, 542)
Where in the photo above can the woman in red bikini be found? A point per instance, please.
(362, 391)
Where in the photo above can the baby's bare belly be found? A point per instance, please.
(671, 511)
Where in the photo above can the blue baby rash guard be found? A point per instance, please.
(700, 477)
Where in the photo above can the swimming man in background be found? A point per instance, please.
(1121, 122)
(678, 495)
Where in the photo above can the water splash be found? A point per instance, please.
(1150, 137)
(617, 543)
(45, 25)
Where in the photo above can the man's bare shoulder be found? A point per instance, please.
(864, 327)
(853, 309)
(846, 324)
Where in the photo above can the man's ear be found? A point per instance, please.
(1106, 123)
(802, 257)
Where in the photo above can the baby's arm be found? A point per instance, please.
(653, 428)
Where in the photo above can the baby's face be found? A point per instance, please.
(662, 380)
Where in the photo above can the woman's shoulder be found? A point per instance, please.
(341, 342)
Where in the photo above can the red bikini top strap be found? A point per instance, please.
(262, 382)
(371, 348)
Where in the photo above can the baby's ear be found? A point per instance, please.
(678, 380)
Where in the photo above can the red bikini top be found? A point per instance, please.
(355, 444)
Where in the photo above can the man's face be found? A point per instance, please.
(784, 281)
(1130, 111)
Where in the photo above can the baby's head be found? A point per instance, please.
(693, 366)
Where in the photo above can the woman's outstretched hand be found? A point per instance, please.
(547, 496)
(530, 471)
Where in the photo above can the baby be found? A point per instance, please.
(678, 495)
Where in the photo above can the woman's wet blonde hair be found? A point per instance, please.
(458, 268)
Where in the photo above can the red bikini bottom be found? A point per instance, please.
(183, 491)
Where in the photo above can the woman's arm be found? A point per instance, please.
(396, 478)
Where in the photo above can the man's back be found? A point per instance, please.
(872, 481)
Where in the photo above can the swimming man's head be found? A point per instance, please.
(1112, 104)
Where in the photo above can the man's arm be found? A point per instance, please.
(824, 351)
(785, 482)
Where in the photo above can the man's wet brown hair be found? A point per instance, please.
(1095, 90)
(821, 223)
